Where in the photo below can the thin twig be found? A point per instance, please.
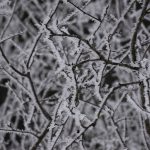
(118, 134)
(41, 137)
(11, 77)
(109, 62)
(9, 21)
(105, 14)
(134, 37)
(44, 112)
(11, 36)
(19, 132)
(99, 20)
(39, 36)
(12, 67)
(120, 20)
(33, 49)
(147, 49)
(143, 132)
(1, 36)
(59, 133)
(51, 16)
(101, 57)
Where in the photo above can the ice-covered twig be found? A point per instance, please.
(12, 67)
(101, 57)
(137, 106)
(9, 21)
(33, 48)
(135, 32)
(35, 97)
(120, 20)
(41, 137)
(20, 132)
(11, 36)
(93, 17)
(141, 120)
(118, 133)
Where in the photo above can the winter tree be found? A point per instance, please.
(74, 74)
